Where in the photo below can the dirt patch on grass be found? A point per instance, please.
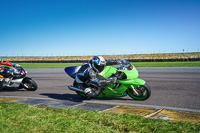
(6, 99)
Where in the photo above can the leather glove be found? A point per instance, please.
(112, 79)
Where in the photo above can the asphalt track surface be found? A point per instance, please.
(176, 88)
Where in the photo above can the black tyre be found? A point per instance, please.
(142, 92)
(30, 85)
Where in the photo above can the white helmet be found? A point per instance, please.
(98, 63)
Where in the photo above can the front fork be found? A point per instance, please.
(133, 88)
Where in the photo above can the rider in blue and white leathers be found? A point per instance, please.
(86, 75)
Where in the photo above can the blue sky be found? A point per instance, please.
(97, 27)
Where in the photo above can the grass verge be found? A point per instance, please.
(167, 64)
(27, 118)
(136, 64)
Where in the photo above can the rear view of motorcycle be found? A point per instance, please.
(17, 79)
(126, 83)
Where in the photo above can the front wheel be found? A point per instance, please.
(30, 85)
(140, 92)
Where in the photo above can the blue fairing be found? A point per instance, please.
(72, 70)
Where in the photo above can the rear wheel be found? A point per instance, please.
(140, 92)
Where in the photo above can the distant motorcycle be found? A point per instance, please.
(128, 84)
(19, 80)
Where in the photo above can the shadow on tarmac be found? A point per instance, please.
(69, 97)
(76, 97)
(11, 89)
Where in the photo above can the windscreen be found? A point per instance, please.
(123, 65)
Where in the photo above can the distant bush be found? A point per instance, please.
(107, 57)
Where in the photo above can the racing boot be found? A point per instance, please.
(89, 93)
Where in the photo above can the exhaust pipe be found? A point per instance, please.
(75, 89)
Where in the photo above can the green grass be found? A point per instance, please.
(136, 64)
(167, 64)
(18, 118)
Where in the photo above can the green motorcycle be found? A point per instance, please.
(128, 84)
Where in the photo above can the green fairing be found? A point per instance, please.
(120, 91)
(5, 66)
(130, 84)
(109, 92)
(107, 72)
(131, 74)
(132, 81)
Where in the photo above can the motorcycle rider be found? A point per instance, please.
(5, 74)
(86, 76)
